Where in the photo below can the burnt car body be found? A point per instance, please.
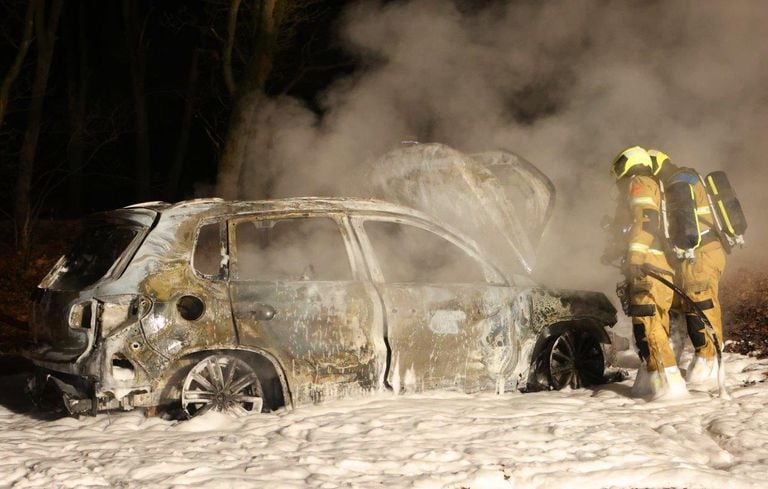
(261, 304)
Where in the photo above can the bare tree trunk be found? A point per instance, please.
(267, 19)
(13, 72)
(235, 144)
(77, 90)
(229, 79)
(172, 188)
(137, 60)
(45, 30)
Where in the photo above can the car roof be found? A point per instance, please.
(217, 206)
(170, 216)
(203, 209)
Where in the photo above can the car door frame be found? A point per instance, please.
(495, 280)
(303, 388)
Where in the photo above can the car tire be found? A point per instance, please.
(574, 358)
(222, 382)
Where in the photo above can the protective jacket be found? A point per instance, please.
(645, 234)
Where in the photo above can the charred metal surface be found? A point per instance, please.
(449, 336)
(323, 334)
(553, 306)
(548, 308)
(128, 337)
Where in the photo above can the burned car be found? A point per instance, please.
(251, 306)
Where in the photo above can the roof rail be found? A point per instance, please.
(202, 200)
(152, 203)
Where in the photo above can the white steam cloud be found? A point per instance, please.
(564, 84)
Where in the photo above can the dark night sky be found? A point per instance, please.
(307, 61)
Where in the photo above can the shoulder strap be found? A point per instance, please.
(715, 216)
(664, 216)
(684, 175)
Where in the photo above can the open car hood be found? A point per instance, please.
(497, 198)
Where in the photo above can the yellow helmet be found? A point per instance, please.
(630, 159)
(657, 160)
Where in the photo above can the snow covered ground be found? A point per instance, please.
(584, 438)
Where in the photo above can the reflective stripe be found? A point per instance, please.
(727, 219)
(712, 185)
(703, 210)
(643, 200)
(639, 247)
(698, 223)
(655, 252)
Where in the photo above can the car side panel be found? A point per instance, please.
(449, 336)
(446, 335)
(325, 334)
(168, 334)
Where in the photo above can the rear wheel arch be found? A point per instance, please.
(274, 384)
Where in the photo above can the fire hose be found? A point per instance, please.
(652, 272)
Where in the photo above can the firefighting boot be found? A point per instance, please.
(642, 385)
(702, 374)
(667, 384)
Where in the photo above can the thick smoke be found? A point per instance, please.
(564, 84)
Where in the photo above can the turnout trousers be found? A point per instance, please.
(700, 280)
(649, 308)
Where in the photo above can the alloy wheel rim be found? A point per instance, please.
(221, 383)
(575, 360)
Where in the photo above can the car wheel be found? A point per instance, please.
(575, 359)
(221, 383)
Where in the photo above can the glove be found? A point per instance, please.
(635, 272)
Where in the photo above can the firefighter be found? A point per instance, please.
(698, 275)
(650, 300)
